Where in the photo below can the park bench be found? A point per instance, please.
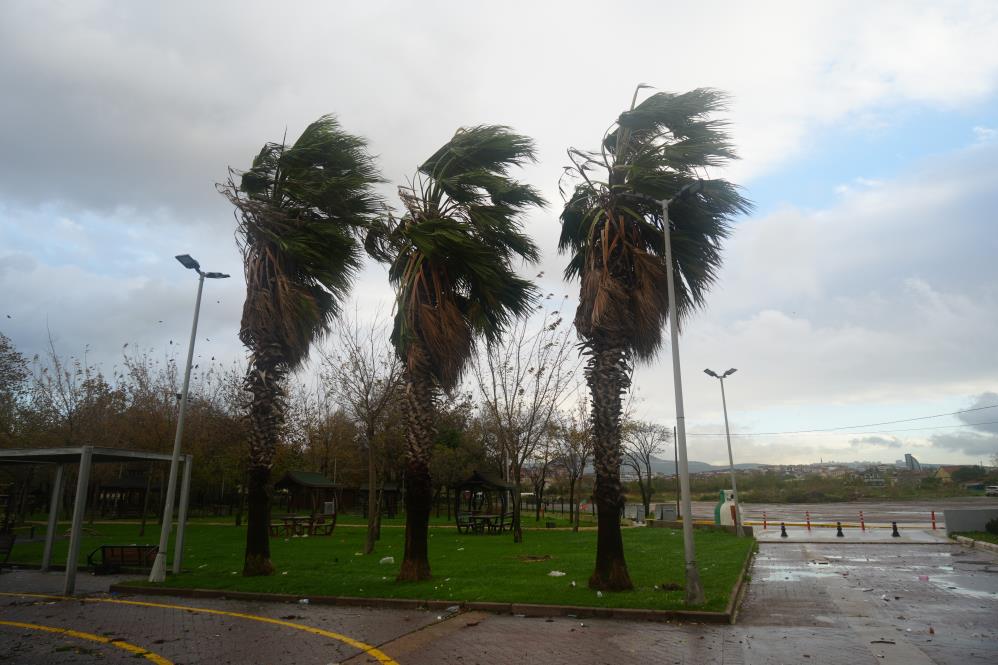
(6, 545)
(115, 557)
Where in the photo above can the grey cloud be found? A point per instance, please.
(968, 443)
(878, 441)
(984, 419)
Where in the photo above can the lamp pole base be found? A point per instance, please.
(694, 589)
(158, 572)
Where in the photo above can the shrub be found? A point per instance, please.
(992, 526)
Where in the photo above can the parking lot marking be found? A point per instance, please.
(127, 646)
(369, 649)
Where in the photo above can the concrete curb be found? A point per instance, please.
(524, 609)
(741, 586)
(977, 544)
(790, 541)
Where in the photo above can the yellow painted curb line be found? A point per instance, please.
(371, 650)
(127, 646)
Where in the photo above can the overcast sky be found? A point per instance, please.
(863, 289)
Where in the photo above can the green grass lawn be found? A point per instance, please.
(980, 535)
(465, 567)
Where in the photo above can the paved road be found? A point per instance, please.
(832, 603)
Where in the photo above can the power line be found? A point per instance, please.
(887, 422)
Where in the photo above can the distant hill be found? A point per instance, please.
(668, 467)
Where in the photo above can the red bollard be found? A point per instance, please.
(862, 524)
(933, 520)
(764, 521)
(807, 515)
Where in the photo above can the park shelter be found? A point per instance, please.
(126, 496)
(307, 490)
(483, 501)
(86, 457)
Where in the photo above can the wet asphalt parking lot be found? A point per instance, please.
(810, 600)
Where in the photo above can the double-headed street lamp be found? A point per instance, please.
(158, 573)
(694, 589)
(731, 460)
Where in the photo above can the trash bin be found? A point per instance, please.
(665, 512)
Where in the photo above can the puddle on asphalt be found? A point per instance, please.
(793, 575)
(949, 585)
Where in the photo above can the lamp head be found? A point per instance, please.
(711, 373)
(730, 372)
(215, 275)
(188, 262)
(690, 189)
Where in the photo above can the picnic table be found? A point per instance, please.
(483, 522)
(307, 525)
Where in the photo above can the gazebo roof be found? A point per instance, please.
(304, 479)
(478, 479)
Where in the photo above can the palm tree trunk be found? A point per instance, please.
(608, 376)
(263, 382)
(419, 411)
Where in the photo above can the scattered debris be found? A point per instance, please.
(387, 559)
(303, 601)
(882, 642)
(556, 573)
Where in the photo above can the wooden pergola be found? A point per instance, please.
(483, 504)
(86, 457)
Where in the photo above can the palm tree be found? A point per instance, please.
(451, 259)
(613, 230)
(301, 212)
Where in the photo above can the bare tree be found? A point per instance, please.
(364, 374)
(537, 470)
(642, 441)
(13, 388)
(524, 380)
(574, 450)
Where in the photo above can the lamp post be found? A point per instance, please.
(694, 589)
(731, 460)
(158, 572)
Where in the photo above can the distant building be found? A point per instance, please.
(911, 462)
(945, 473)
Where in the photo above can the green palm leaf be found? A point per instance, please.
(452, 255)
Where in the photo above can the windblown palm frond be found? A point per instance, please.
(613, 229)
(302, 210)
(452, 254)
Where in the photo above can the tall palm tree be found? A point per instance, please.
(613, 230)
(301, 212)
(451, 260)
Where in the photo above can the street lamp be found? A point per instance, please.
(694, 589)
(158, 572)
(727, 433)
